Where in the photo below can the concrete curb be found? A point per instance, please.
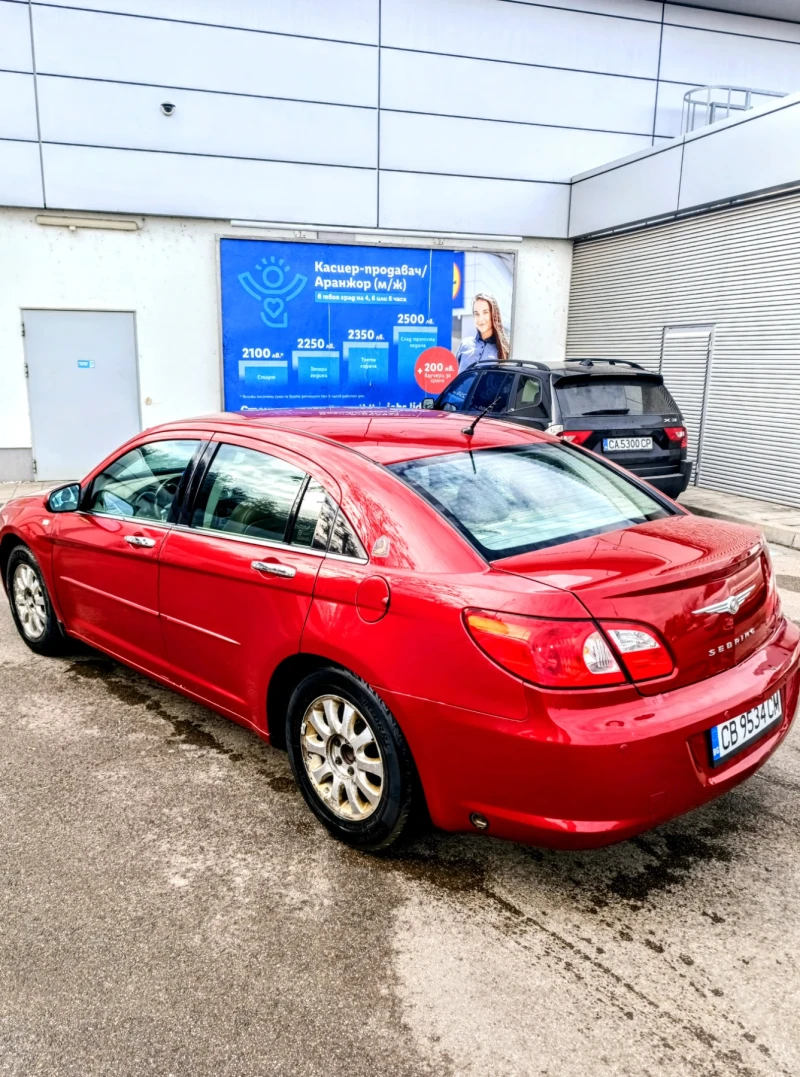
(782, 536)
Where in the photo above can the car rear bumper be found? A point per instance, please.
(581, 779)
(672, 482)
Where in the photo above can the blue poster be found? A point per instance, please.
(314, 325)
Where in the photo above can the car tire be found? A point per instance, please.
(30, 603)
(350, 759)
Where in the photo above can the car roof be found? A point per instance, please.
(385, 435)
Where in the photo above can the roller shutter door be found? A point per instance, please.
(685, 355)
(737, 270)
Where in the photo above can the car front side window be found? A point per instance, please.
(492, 392)
(455, 395)
(143, 483)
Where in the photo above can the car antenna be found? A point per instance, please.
(470, 430)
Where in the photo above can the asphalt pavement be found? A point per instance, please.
(168, 906)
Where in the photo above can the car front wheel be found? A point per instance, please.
(31, 607)
(350, 759)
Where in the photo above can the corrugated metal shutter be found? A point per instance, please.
(738, 270)
(684, 365)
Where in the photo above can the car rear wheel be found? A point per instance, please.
(350, 759)
(31, 607)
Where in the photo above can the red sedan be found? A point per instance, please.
(484, 620)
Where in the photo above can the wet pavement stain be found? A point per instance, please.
(116, 681)
(681, 855)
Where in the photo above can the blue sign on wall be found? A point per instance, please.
(312, 325)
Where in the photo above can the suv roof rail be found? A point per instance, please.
(611, 362)
(513, 362)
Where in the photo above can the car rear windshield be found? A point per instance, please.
(510, 500)
(614, 395)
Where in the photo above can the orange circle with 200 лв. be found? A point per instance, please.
(434, 369)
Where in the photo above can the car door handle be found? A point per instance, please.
(140, 540)
(274, 569)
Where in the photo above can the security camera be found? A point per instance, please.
(167, 108)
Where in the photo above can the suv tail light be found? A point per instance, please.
(554, 654)
(577, 437)
(677, 433)
(642, 652)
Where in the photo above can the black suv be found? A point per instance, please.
(612, 406)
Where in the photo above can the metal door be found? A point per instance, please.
(685, 354)
(82, 387)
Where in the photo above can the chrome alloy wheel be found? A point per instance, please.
(342, 758)
(29, 602)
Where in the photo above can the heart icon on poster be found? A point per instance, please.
(273, 307)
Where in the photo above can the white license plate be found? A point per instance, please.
(627, 444)
(730, 737)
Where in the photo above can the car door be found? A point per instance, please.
(237, 574)
(105, 555)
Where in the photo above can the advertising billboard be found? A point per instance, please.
(318, 325)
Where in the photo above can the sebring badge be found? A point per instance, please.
(732, 604)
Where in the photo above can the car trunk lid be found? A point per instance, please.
(674, 575)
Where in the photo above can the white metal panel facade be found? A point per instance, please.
(20, 174)
(523, 33)
(462, 204)
(580, 82)
(446, 145)
(136, 181)
(644, 188)
(126, 48)
(17, 107)
(739, 271)
(521, 93)
(356, 20)
(90, 113)
(15, 37)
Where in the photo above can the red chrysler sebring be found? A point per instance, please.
(483, 620)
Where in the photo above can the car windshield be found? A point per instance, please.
(614, 395)
(510, 500)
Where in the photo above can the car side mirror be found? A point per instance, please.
(65, 498)
(428, 403)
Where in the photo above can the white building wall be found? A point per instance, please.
(753, 153)
(167, 274)
(468, 115)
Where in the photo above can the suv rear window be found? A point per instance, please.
(614, 396)
(510, 500)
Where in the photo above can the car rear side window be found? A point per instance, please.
(142, 484)
(247, 492)
(614, 395)
(510, 500)
(528, 397)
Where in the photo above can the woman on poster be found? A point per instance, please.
(490, 341)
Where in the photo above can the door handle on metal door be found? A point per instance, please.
(274, 569)
(140, 540)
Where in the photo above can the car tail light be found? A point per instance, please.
(677, 433)
(642, 652)
(554, 654)
(577, 437)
